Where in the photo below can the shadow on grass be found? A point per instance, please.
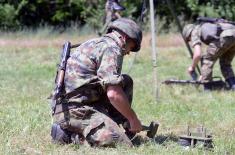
(159, 139)
(162, 139)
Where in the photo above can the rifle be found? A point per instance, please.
(59, 79)
(214, 20)
(211, 85)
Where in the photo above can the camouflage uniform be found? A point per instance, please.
(221, 45)
(89, 113)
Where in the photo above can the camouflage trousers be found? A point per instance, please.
(95, 123)
(224, 50)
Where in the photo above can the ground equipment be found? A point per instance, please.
(211, 85)
(151, 129)
(197, 136)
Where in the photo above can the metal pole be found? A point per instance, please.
(154, 53)
(169, 3)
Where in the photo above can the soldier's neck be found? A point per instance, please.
(121, 41)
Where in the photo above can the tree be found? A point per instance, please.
(61, 13)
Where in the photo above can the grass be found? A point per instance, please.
(26, 79)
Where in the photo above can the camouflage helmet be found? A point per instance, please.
(130, 28)
(187, 31)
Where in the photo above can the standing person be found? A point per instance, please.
(220, 40)
(112, 12)
(98, 97)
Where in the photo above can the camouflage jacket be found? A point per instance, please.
(99, 58)
(209, 32)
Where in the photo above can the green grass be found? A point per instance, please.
(26, 80)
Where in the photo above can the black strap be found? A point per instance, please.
(81, 89)
(66, 106)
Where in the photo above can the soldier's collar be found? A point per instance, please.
(116, 37)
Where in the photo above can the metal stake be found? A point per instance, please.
(154, 53)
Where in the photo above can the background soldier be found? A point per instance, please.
(220, 38)
(112, 12)
(98, 97)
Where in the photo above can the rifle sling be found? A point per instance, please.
(80, 90)
(64, 104)
(61, 107)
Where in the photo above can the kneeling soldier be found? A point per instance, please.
(97, 96)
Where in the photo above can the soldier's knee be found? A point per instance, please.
(99, 138)
(60, 135)
(107, 138)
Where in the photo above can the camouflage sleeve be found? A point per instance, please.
(195, 36)
(110, 67)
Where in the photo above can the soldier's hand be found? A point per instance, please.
(190, 70)
(200, 78)
(135, 125)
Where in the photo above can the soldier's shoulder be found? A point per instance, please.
(106, 42)
(91, 41)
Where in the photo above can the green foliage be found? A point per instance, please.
(213, 8)
(62, 13)
(7, 17)
(93, 13)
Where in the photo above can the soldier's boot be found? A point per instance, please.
(207, 86)
(231, 83)
(59, 135)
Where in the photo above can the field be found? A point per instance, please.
(28, 65)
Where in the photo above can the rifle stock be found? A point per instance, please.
(59, 80)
